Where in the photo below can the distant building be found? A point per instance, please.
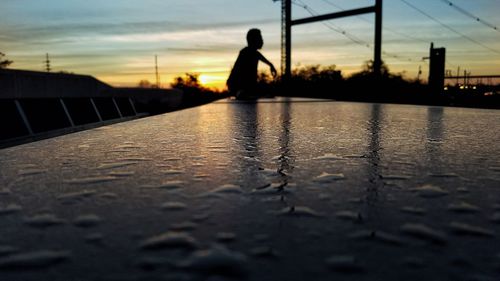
(437, 69)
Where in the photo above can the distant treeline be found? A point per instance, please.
(194, 92)
(316, 81)
(327, 82)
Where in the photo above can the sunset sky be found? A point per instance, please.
(116, 41)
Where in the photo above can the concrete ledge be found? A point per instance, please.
(16, 84)
(33, 104)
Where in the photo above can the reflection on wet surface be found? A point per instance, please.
(283, 190)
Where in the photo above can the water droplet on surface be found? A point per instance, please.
(5, 191)
(109, 195)
(228, 188)
(219, 150)
(128, 147)
(327, 177)
(113, 165)
(346, 264)
(173, 172)
(170, 239)
(172, 159)
(121, 173)
(264, 252)
(44, 220)
(31, 260)
(7, 250)
(172, 206)
(353, 156)
(413, 262)
(153, 263)
(324, 196)
(413, 210)
(171, 184)
(9, 209)
(444, 175)
(396, 177)
(495, 217)
(356, 200)
(463, 207)
(30, 172)
(329, 157)
(200, 217)
(225, 236)
(134, 159)
(261, 237)
(389, 238)
(424, 232)
(90, 180)
(430, 191)
(298, 211)
(183, 226)
(217, 261)
(87, 220)
(494, 168)
(76, 196)
(94, 238)
(467, 229)
(349, 215)
(269, 172)
(380, 236)
(272, 189)
(362, 234)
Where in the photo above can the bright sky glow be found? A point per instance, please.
(116, 41)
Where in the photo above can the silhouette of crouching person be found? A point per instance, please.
(242, 81)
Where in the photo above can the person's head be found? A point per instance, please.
(254, 39)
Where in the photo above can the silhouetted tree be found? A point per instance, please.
(368, 69)
(194, 93)
(190, 80)
(317, 73)
(4, 63)
(144, 84)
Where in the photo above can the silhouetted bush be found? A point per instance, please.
(194, 92)
(315, 81)
(4, 63)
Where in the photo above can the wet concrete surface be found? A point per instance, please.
(274, 190)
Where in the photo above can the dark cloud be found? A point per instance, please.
(74, 30)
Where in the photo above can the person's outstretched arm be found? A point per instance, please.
(266, 61)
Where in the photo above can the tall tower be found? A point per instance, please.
(436, 69)
(156, 72)
(47, 63)
(286, 37)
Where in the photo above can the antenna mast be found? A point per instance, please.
(156, 71)
(47, 63)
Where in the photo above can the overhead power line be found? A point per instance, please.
(385, 27)
(449, 27)
(470, 15)
(333, 27)
(351, 37)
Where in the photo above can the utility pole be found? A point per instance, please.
(47, 63)
(156, 71)
(377, 56)
(286, 39)
(287, 23)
